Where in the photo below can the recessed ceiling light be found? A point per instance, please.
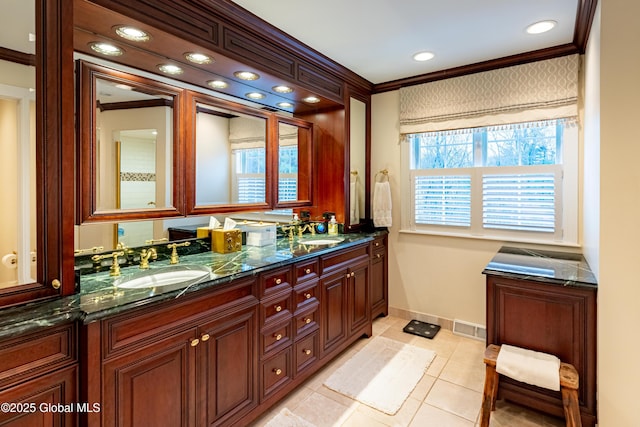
(106, 49)
(284, 104)
(198, 58)
(282, 89)
(311, 99)
(170, 69)
(246, 75)
(123, 86)
(255, 95)
(217, 84)
(423, 56)
(541, 27)
(131, 33)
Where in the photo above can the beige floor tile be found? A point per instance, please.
(456, 399)
(402, 418)
(324, 412)
(437, 366)
(360, 419)
(423, 387)
(430, 416)
(464, 374)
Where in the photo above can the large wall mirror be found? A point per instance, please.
(357, 200)
(294, 163)
(228, 164)
(129, 154)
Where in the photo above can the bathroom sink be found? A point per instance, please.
(165, 276)
(320, 240)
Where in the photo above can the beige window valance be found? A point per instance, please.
(539, 90)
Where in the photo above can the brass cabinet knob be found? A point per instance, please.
(307, 295)
(307, 352)
(347, 275)
(378, 255)
(204, 337)
(195, 342)
(55, 284)
(353, 273)
(278, 308)
(377, 243)
(307, 320)
(278, 337)
(307, 271)
(277, 371)
(278, 281)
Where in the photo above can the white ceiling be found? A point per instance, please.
(377, 38)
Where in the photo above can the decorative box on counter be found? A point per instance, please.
(225, 241)
(260, 234)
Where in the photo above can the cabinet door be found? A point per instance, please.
(358, 296)
(153, 386)
(333, 303)
(228, 362)
(36, 401)
(379, 287)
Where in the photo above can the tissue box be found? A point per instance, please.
(260, 234)
(225, 241)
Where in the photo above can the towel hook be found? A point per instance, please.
(384, 173)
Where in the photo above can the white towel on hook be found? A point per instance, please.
(382, 204)
(354, 203)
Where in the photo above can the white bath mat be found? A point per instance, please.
(382, 374)
(286, 418)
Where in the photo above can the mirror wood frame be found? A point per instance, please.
(192, 100)
(54, 156)
(87, 74)
(305, 164)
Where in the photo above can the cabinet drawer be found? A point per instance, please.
(305, 352)
(275, 281)
(276, 372)
(305, 295)
(378, 243)
(276, 337)
(37, 353)
(276, 308)
(307, 320)
(334, 262)
(306, 271)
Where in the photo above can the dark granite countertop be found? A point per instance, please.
(561, 268)
(100, 296)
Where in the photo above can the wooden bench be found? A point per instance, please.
(569, 382)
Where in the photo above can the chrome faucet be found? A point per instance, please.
(145, 254)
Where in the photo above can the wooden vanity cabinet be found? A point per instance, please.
(379, 277)
(183, 363)
(344, 292)
(38, 377)
(550, 318)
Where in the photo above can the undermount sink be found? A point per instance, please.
(320, 240)
(165, 276)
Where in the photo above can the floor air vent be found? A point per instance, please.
(470, 330)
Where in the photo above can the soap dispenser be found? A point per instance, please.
(333, 225)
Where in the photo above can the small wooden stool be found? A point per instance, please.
(569, 382)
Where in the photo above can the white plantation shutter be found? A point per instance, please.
(443, 200)
(523, 201)
(251, 188)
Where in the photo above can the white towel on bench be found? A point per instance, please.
(528, 366)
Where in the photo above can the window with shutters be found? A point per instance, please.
(503, 182)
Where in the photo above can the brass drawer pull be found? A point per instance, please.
(278, 281)
(378, 255)
(353, 273)
(278, 308)
(278, 337)
(277, 371)
(307, 295)
(195, 342)
(307, 352)
(204, 337)
(307, 320)
(307, 271)
(377, 243)
(347, 276)
(55, 284)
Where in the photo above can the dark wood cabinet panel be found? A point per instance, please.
(333, 321)
(41, 400)
(549, 318)
(358, 297)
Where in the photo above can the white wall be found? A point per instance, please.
(619, 231)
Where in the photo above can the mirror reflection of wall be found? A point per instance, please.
(287, 162)
(357, 159)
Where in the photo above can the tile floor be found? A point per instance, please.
(449, 395)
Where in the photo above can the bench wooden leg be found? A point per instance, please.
(489, 395)
(571, 407)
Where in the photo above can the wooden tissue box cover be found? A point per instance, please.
(225, 241)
